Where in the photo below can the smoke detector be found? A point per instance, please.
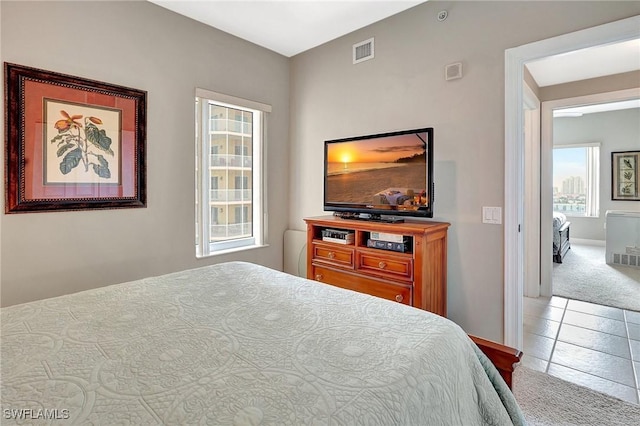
(453, 71)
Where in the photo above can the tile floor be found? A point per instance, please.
(591, 345)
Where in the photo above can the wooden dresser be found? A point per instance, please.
(413, 270)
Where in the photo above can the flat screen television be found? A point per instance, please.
(379, 177)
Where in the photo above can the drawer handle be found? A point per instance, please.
(331, 255)
(382, 265)
(318, 277)
(399, 298)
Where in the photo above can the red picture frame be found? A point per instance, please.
(72, 143)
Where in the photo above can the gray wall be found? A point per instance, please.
(616, 131)
(404, 87)
(609, 83)
(141, 45)
(147, 47)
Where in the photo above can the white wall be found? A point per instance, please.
(141, 45)
(404, 87)
(616, 131)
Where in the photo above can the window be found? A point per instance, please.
(230, 190)
(576, 179)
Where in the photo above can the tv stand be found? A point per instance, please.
(405, 262)
(371, 217)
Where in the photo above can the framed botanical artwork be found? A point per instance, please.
(625, 176)
(72, 143)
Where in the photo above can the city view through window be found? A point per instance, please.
(570, 181)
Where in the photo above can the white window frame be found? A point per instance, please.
(592, 207)
(204, 247)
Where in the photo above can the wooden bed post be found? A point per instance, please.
(503, 357)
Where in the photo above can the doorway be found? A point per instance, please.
(593, 102)
(515, 59)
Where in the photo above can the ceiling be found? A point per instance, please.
(579, 111)
(290, 27)
(587, 63)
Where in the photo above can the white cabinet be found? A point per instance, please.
(623, 237)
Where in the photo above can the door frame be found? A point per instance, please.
(532, 179)
(515, 59)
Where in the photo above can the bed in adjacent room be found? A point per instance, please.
(238, 343)
(561, 243)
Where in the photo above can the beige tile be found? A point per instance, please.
(599, 384)
(593, 309)
(555, 301)
(634, 331)
(632, 316)
(635, 351)
(558, 302)
(596, 340)
(534, 363)
(538, 346)
(545, 311)
(594, 322)
(599, 364)
(541, 326)
(592, 348)
(536, 301)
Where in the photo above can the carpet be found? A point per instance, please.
(546, 400)
(584, 275)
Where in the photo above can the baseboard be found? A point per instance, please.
(588, 242)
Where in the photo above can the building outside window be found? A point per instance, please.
(229, 180)
(576, 180)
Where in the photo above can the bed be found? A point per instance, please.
(237, 343)
(561, 244)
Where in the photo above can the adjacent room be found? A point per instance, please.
(164, 165)
(600, 225)
(594, 295)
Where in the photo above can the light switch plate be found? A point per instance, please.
(492, 215)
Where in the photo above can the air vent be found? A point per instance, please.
(363, 51)
(626, 259)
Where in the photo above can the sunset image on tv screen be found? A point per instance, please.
(385, 172)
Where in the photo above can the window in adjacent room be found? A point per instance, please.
(230, 185)
(576, 179)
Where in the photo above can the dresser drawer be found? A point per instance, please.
(333, 254)
(385, 266)
(397, 292)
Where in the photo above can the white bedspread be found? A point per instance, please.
(239, 344)
(559, 219)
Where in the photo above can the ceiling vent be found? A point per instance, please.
(363, 51)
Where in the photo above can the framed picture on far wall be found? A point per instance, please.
(625, 176)
(72, 143)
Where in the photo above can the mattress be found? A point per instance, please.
(241, 344)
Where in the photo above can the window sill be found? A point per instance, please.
(233, 250)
